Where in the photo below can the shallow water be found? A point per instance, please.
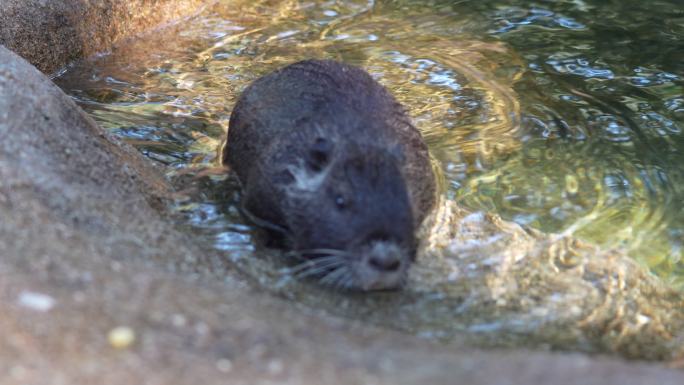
(563, 116)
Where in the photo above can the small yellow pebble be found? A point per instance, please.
(121, 337)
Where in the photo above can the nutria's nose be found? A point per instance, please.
(386, 262)
(384, 266)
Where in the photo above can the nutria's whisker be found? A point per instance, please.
(335, 283)
(262, 222)
(332, 277)
(309, 267)
(350, 280)
(317, 269)
(341, 253)
(329, 276)
(344, 280)
(316, 266)
(316, 261)
(300, 252)
(296, 255)
(331, 259)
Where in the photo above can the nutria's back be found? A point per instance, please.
(328, 157)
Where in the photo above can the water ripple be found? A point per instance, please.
(579, 66)
(513, 18)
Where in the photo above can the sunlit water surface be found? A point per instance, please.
(563, 116)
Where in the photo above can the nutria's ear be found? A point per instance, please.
(319, 154)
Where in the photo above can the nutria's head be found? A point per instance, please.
(348, 215)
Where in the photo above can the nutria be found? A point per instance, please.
(329, 159)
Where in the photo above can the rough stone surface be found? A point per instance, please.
(83, 250)
(50, 34)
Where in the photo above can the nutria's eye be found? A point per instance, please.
(340, 202)
(319, 154)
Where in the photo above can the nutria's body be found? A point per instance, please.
(330, 159)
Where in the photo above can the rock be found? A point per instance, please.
(50, 34)
(558, 290)
(81, 226)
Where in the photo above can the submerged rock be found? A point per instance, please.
(555, 289)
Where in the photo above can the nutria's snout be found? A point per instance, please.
(375, 265)
(383, 265)
(358, 221)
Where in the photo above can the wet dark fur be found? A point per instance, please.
(330, 159)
